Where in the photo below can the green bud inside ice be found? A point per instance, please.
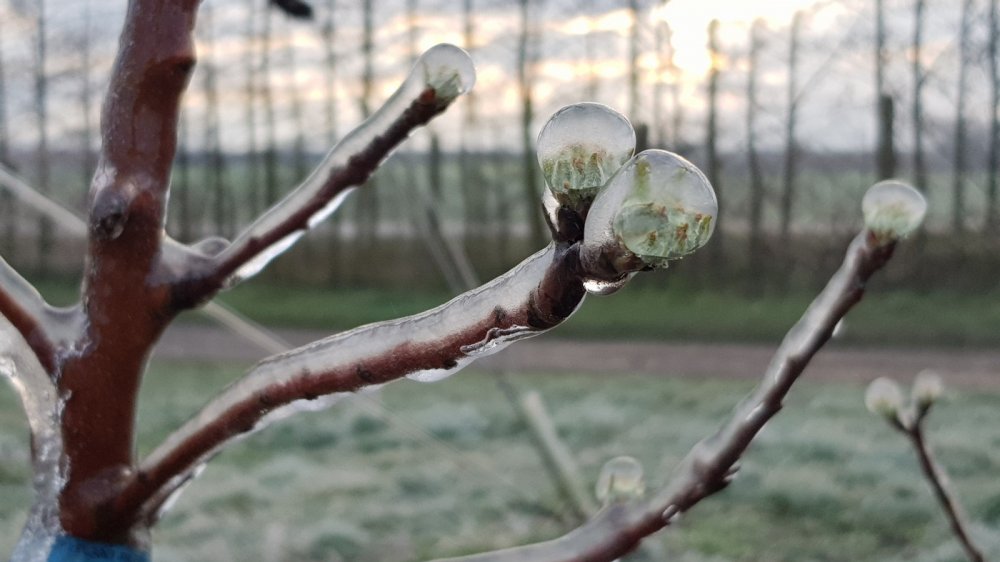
(893, 210)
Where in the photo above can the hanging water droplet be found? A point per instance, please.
(893, 209)
(659, 206)
(446, 69)
(581, 147)
(884, 397)
(621, 479)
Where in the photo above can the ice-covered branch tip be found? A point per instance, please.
(893, 210)
(710, 465)
(439, 76)
(580, 148)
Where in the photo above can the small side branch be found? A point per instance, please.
(940, 484)
(710, 465)
(26, 310)
(438, 78)
(535, 296)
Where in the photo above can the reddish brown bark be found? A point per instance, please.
(126, 309)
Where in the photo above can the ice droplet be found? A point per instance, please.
(893, 209)
(581, 147)
(601, 288)
(446, 69)
(884, 397)
(659, 206)
(621, 479)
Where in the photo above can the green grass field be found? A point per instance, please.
(449, 470)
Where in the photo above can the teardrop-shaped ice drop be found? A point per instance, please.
(581, 147)
(660, 207)
(621, 479)
(893, 209)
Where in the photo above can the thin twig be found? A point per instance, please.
(941, 486)
(710, 465)
(348, 165)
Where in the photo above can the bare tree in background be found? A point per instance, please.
(755, 248)
(9, 206)
(993, 159)
(42, 164)
(527, 57)
(713, 162)
(791, 121)
(367, 214)
(250, 80)
(88, 157)
(295, 108)
(267, 98)
(919, 78)
(959, 160)
(212, 141)
(472, 178)
(885, 153)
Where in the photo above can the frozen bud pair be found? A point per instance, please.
(885, 397)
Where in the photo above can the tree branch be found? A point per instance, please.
(26, 310)
(438, 78)
(940, 484)
(710, 465)
(533, 297)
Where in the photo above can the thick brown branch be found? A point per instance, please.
(939, 482)
(533, 297)
(709, 466)
(126, 309)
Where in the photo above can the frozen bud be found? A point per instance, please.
(447, 70)
(581, 147)
(621, 479)
(893, 210)
(927, 388)
(884, 398)
(659, 207)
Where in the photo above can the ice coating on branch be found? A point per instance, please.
(428, 346)
(260, 261)
(43, 407)
(601, 287)
(581, 147)
(621, 479)
(893, 209)
(884, 397)
(659, 207)
(440, 75)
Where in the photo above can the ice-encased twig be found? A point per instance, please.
(442, 74)
(40, 400)
(533, 297)
(710, 465)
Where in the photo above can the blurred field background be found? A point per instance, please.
(793, 110)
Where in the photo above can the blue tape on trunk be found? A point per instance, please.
(71, 549)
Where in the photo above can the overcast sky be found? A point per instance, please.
(576, 40)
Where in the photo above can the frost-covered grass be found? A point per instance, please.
(826, 481)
